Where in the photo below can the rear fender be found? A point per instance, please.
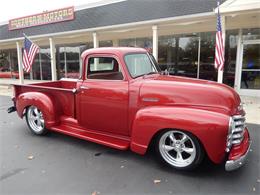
(41, 101)
(209, 127)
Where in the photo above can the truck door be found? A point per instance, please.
(103, 96)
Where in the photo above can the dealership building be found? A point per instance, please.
(180, 33)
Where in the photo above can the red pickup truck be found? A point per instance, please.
(123, 101)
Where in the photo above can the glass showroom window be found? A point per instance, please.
(251, 34)
(143, 42)
(127, 42)
(250, 74)
(41, 68)
(108, 43)
(36, 69)
(72, 62)
(45, 68)
(69, 61)
(179, 54)
(207, 52)
(166, 51)
(186, 56)
(250, 78)
(230, 57)
(8, 64)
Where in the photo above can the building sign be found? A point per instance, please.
(49, 17)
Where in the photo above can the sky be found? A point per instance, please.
(17, 8)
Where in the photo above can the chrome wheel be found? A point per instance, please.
(177, 148)
(35, 119)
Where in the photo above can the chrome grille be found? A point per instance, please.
(236, 131)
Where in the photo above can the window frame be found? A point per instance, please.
(100, 69)
(104, 56)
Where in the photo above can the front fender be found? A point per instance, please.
(41, 101)
(209, 127)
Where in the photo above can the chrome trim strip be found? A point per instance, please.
(235, 164)
(238, 130)
(83, 87)
(150, 99)
(238, 123)
(238, 117)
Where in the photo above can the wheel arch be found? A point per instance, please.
(39, 100)
(208, 127)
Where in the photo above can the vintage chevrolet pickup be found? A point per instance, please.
(122, 100)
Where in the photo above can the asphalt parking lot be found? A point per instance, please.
(59, 164)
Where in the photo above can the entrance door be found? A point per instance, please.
(250, 68)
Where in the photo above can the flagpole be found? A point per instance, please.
(223, 26)
(38, 46)
(221, 71)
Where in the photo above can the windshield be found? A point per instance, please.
(139, 64)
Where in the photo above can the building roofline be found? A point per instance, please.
(96, 4)
(151, 22)
(230, 7)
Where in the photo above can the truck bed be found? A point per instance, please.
(60, 91)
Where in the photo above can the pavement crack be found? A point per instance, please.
(11, 173)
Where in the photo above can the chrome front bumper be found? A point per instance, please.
(235, 164)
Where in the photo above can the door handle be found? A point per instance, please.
(84, 87)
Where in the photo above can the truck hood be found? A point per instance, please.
(181, 91)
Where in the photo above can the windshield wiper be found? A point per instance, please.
(153, 72)
(146, 74)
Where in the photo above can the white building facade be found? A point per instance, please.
(182, 39)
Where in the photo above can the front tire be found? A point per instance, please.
(179, 149)
(35, 120)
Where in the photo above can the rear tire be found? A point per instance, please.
(35, 120)
(179, 149)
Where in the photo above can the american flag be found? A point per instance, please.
(29, 52)
(219, 49)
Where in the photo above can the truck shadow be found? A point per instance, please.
(100, 153)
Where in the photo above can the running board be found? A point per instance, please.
(107, 140)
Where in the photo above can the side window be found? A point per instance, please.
(105, 68)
